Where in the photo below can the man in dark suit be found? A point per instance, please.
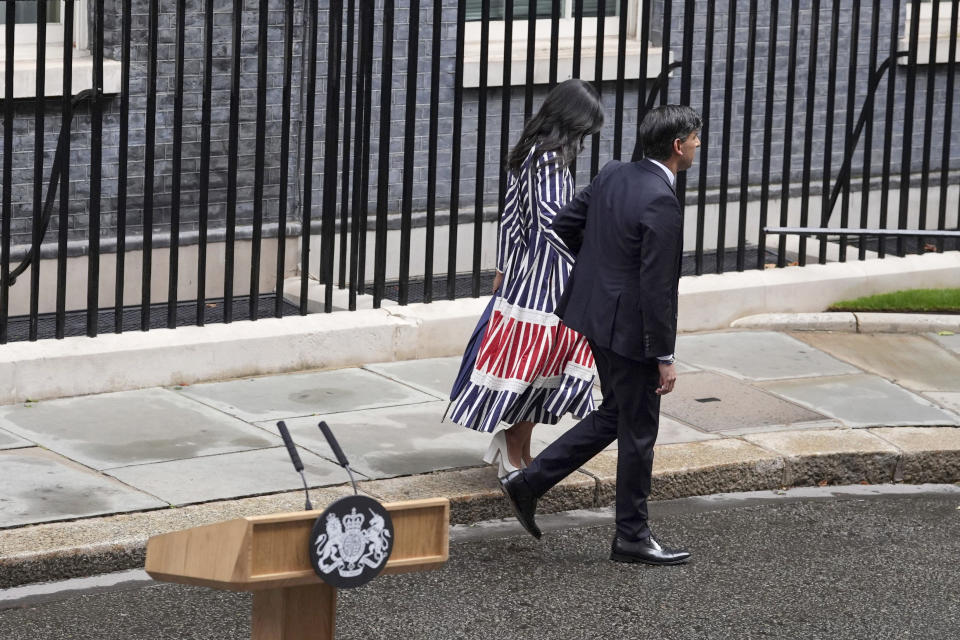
(625, 231)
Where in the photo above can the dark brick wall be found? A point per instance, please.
(191, 132)
(467, 142)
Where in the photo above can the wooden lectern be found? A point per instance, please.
(269, 555)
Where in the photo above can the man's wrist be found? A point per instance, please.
(666, 359)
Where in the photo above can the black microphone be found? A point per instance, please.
(295, 458)
(338, 452)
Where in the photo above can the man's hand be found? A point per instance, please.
(668, 377)
(497, 281)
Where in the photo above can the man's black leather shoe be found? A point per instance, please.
(646, 550)
(522, 500)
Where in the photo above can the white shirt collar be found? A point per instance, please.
(670, 177)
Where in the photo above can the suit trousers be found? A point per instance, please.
(629, 414)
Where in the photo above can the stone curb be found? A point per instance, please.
(762, 461)
(851, 322)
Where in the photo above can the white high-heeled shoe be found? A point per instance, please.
(497, 452)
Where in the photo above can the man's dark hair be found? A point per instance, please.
(661, 126)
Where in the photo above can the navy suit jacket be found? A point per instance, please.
(625, 230)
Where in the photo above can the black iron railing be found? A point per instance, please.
(358, 146)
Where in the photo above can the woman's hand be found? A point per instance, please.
(497, 281)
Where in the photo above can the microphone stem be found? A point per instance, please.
(352, 481)
(308, 506)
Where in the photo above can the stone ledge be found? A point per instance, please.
(188, 355)
(907, 322)
(697, 468)
(714, 466)
(839, 456)
(851, 322)
(77, 366)
(928, 454)
(713, 301)
(798, 322)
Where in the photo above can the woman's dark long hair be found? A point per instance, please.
(570, 112)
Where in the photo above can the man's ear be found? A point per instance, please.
(677, 147)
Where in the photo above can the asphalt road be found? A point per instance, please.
(856, 566)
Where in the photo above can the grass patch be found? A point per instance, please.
(910, 301)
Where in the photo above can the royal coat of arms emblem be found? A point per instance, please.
(351, 541)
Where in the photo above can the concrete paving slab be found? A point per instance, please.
(816, 425)
(229, 475)
(433, 375)
(951, 342)
(758, 355)
(910, 361)
(10, 441)
(928, 454)
(684, 367)
(131, 427)
(946, 399)
(395, 441)
(303, 394)
(40, 486)
(862, 401)
(837, 456)
(712, 402)
(671, 431)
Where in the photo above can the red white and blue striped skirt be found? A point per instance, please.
(530, 367)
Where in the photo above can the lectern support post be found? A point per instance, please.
(291, 613)
(269, 555)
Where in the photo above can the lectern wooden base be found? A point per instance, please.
(269, 555)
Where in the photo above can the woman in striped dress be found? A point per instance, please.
(530, 368)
